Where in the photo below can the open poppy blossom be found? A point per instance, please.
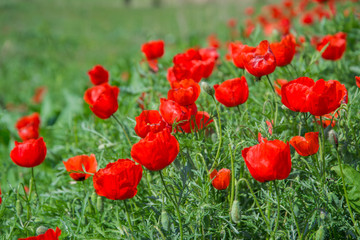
(202, 120)
(306, 146)
(50, 234)
(357, 81)
(156, 151)
(268, 160)
(118, 180)
(284, 50)
(79, 164)
(29, 153)
(185, 92)
(173, 112)
(236, 49)
(149, 121)
(102, 100)
(232, 92)
(153, 50)
(295, 92)
(220, 179)
(28, 126)
(336, 48)
(259, 61)
(98, 75)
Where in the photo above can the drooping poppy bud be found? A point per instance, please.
(268, 160)
(336, 48)
(220, 179)
(98, 75)
(306, 146)
(207, 88)
(28, 126)
(261, 61)
(156, 151)
(185, 92)
(153, 49)
(232, 92)
(284, 50)
(102, 100)
(79, 164)
(50, 234)
(29, 153)
(149, 121)
(172, 112)
(295, 92)
(118, 180)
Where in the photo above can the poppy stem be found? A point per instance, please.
(256, 201)
(219, 134)
(232, 177)
(32, 175)
(128, 218)
(322, 146)
(278, 208)
(175, 205)
(345, 192)
(123, 128)
(267, 76)
(275, 102)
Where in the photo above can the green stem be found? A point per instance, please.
(275, 102)
(256, 201)
(345, 192)
(219, 133)
(322, 150)
(128, 218)
(232, 177)
(33, 179)
(175, 205)
(278, 208)
(296, 222)
(123, 128)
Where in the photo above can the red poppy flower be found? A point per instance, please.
(336, 48)
(307, 19)
(268, 160)
(278, 85)
(149, 121)
(213, 41)
(261, 61)
(78, 164)
(153, 49)
(156, 151)
(236, 50)
(185, 92)
(102, 100)
(118, 180)
(29, 153)
(202, 120)
(306, 146)
(295, 92)
(220, 179)
(50, 234)
(232, 92)
(0, 197)
(357, 80)
(172, 112)
(326, 97)
(98, 75)
(39, 94)
(28, 126)
(284, 51)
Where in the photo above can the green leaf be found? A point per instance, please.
(352, 181)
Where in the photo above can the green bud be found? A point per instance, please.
(93, 198)
(99, 204)
(207, 88)
(320, 233)
(41, 230)
(332, 138)
(19, 208)
(165, 220)
(235, 212)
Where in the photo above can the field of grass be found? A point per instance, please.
(55, 43)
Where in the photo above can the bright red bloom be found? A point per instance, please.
(236, 50)
(29, 153)
(220, 179)
(78, 163)
(173, 112)
(278, 85)
(185, 92)
(156, 151)
(149, 121)
(268, 160)
(50, 234)
(295, 92)
(306, 146)
(307, 19)
(98, 75)
(102, 100)
(284, 51)
(28, 126)
(357, 80)
(118, 180)
(232, 92)
(202, 119)
(261, 61)
(336, 48)
(326, 97)
(153, 49)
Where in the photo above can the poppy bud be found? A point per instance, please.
(99, 204)
(320, 233)
(207, 88)
(165, 220)
(19, 208)
(332, 138)
(41, 230)
(235, 211)
(93, 198)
